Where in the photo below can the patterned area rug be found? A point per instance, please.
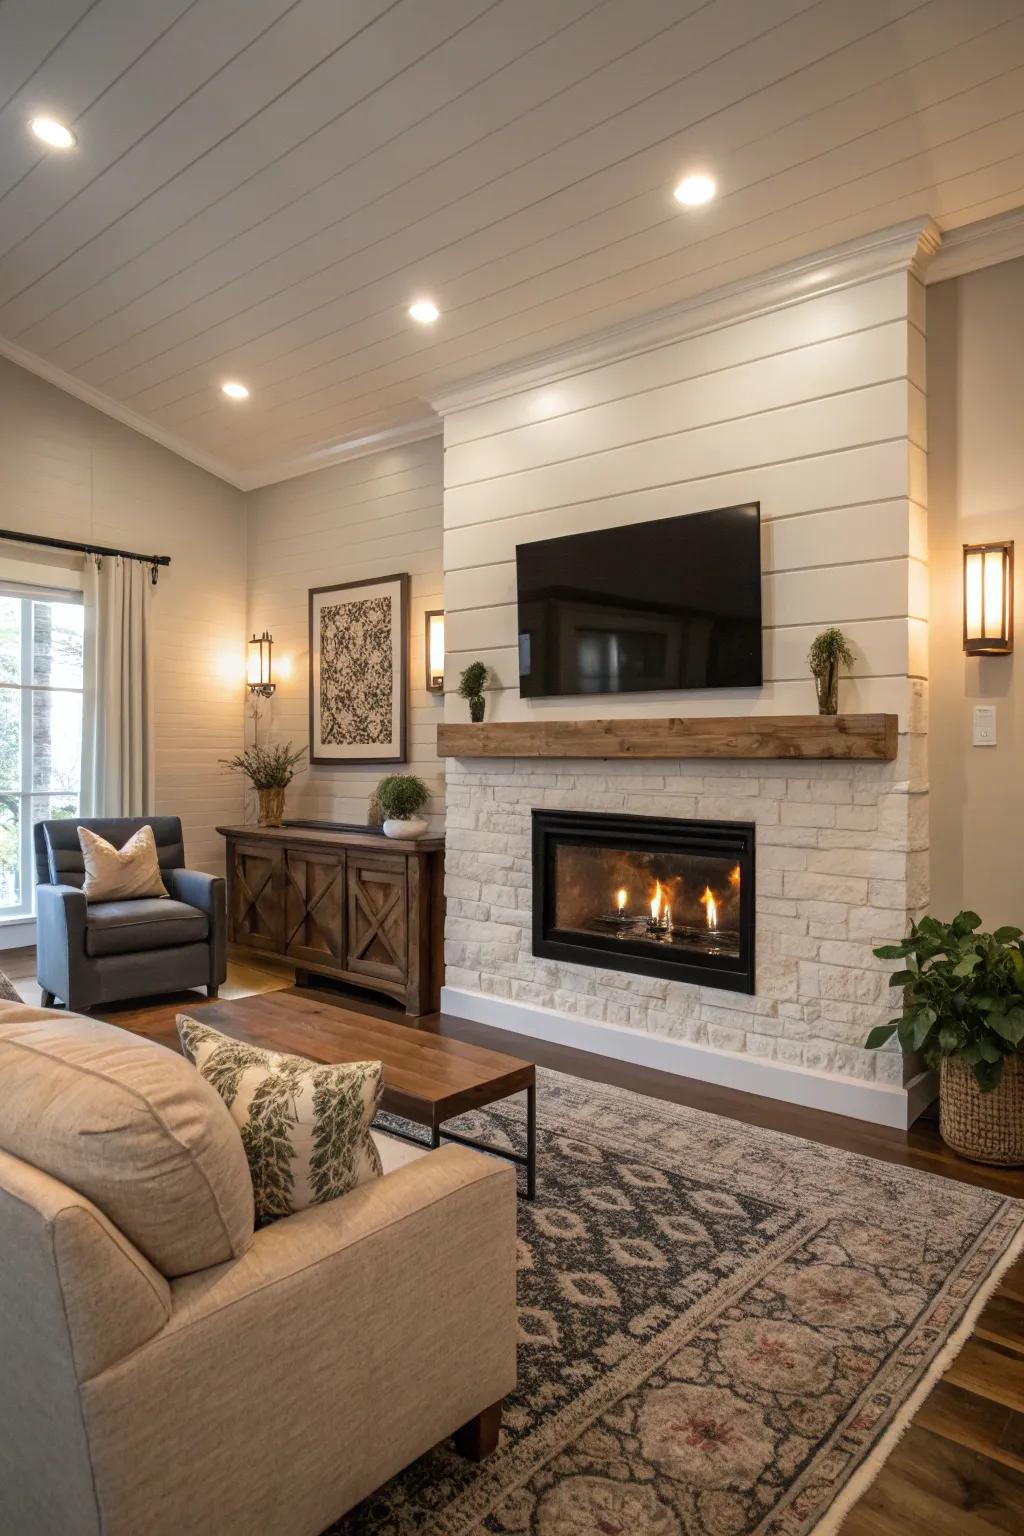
(723, 1330)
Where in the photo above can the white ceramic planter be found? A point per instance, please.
(414, 827)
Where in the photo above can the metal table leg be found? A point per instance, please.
(529, 1161)
(531, 1142)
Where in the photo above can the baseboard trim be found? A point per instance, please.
(17, 933)
(880, 1103)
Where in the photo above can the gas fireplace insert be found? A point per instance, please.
(654, 895)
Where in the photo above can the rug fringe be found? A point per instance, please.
(866, 1474)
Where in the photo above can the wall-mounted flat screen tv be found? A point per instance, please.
(654, 606)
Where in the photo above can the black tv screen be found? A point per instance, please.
(669, 604)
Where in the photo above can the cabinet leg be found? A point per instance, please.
(477, 1439)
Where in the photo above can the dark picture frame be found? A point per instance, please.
(367, 648)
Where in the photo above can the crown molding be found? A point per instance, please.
(906, 247)
(311, 460)
(974, 246)
(101, 402)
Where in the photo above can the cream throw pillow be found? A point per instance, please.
(305, 1126)
(121, 874)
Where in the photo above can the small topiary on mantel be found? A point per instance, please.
(471, 687)
(828, 652)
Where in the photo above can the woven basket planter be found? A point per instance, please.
(986, 1127)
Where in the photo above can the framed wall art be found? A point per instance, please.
(358, 660)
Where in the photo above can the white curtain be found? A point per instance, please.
(117, 719)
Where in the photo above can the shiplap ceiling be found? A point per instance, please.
(260, 187)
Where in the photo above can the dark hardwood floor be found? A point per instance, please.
(959, 1470)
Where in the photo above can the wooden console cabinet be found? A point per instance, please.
(355, 906)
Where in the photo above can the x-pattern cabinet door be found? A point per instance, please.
(314, 906)
(256, 915)
(377, 917)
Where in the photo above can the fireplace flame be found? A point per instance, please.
(620, 899)
(710, 907)
(734, 878)
(657, 900)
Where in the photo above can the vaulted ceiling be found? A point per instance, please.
(260, 188)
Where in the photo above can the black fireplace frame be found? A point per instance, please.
(730, 839)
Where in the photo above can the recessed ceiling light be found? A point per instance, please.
(425, 311)
(694, 190)
(235, 391)
(53, 133)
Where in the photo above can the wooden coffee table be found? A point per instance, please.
(428, 1078)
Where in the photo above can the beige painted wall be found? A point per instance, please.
(372, 516)
(69, 471)
(976, 492)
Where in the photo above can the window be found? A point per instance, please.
(41, 662)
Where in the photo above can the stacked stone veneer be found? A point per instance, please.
(841, 865)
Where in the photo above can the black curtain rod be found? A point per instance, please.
(82, 549)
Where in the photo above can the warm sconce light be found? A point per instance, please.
(988, 599)
(260, 648)
(435, 651)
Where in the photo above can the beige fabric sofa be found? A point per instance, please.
(164, 1368)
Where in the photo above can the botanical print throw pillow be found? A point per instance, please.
(305, 1126)
(121, 874)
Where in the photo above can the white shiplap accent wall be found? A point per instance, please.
(69, 471)
(373, 516)
(816, 410)
(815, 407)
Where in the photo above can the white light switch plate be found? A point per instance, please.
(984, 733)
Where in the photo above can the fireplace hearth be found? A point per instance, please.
(657, 896)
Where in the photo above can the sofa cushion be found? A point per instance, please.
(121, 927)
(121, 874)
(305, 1125)
(132, 1127)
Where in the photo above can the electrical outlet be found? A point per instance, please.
(984, 733)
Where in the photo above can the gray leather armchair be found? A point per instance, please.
(90, 953)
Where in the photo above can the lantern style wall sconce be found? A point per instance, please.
(259, 678)
(435, 651)
(988, 599)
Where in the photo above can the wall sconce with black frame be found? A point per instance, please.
(988, 598)
(259, 670)
(435, 651)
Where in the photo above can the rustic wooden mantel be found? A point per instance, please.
(870, 738)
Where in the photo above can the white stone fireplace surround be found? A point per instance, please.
(804, 392)
(841, 856)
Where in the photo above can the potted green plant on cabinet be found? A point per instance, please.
(269, 769)
(401, 796)
(828, 652)
(963, 1011)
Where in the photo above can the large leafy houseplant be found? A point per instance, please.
(963, 995)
